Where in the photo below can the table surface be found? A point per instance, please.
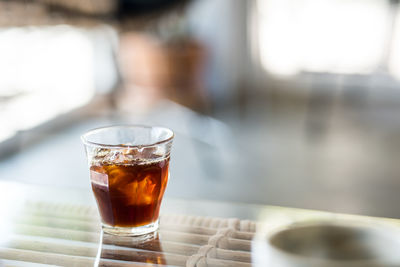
(56, 226)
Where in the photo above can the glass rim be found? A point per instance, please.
(85, 141)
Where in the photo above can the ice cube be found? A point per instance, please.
(119, 178)
(140, 192)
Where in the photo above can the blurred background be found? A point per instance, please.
(281, 102)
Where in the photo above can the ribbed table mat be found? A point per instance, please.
(49, 234)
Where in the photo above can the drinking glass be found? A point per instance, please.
(129, 171)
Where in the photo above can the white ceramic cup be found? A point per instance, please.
(328, 244)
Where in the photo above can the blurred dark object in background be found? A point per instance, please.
(135, 8)
(42, 12)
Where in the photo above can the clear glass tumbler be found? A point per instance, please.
(129, 171)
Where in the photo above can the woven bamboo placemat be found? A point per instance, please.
(48, 234)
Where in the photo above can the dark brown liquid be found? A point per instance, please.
(129, 195)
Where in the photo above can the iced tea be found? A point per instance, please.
(129, 194)
(129, 174)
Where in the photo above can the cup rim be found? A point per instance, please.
(85, 140)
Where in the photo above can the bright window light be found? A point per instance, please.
(394, 58)
(334, 36)
(45, 72)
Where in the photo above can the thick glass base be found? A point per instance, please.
(130, 231)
